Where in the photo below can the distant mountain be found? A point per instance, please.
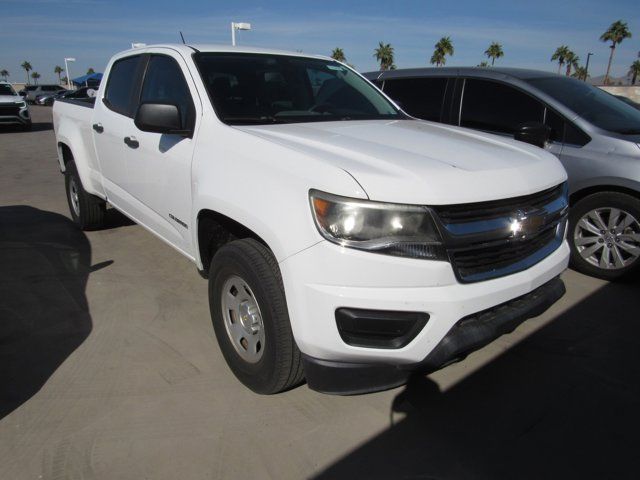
(599, 80)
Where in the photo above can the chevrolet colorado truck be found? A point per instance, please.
(343, 241)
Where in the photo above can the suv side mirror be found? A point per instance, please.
(534, 133)
(160, 118)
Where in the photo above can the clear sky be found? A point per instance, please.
(45, 31)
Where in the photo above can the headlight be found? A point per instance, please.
(389, 228)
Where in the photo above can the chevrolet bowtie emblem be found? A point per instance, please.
(525, 223)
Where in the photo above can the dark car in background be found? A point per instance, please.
(595, 135)
(80, 93)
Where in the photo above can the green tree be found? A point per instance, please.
(35, 76)
(384, 55)
(27, 67)
(338, 54)
(494, 51)
(560, 55)
(90, 71)
(634, 71)
(572, 61)
(58, 70)
(483, 64)
(4, 73)
(615, 34)
(580, 73)
(442, 48)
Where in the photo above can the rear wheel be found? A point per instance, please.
(87, 210)
(604, 235)
(250, 317)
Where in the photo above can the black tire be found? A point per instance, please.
(604, 201)
(91, 210)
(280, 366)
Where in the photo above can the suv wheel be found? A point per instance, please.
(250, 317)
(604, 235)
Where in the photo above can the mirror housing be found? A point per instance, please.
(160, 118)
(534, 133)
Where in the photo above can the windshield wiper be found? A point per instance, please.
(629, 131)
(256, 120)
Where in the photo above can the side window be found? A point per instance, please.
(122, 85)
(165, 83)
(419, 97)
(564, 131)
(497, 107)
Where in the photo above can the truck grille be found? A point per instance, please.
(493, 239)
(9, 109)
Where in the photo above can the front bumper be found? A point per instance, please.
(19, 117)
(469, 334)
(324, 278)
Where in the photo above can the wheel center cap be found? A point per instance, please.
(249, 316)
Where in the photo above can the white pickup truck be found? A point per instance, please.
(343, 240)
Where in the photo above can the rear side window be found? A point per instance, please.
(419, 97)
(496, 107)
(165, 83)
(121, 86)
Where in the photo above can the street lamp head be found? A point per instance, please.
(70, 59)
(242, 26)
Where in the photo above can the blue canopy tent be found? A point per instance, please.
(91, 80)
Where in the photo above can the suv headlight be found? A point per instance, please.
(389, 228)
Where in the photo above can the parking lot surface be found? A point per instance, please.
(109, 370)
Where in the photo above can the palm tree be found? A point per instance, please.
(4, 73)
(27, 66)
(572, 61)
(438, 58)
(634, 71)
(615, 34)
(35, 76)
(90, 71)
(384, 54)
(560, 55)
(443, 48)
(494, 51)
(58, 70)
(580, 73)
(338, 54)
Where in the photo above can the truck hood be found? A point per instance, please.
(10, 98)
(413, 161)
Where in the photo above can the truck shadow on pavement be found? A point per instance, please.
(35, 127)
(45, 261)
(564, 403)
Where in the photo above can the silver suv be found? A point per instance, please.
(595, 135)
(33, 93)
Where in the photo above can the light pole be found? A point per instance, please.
(238, 26)
(66, 68)
(586, 67)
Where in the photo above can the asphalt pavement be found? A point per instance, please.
(109, 369)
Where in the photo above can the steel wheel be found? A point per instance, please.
(608, 238)
(242, 319)
(73, 196)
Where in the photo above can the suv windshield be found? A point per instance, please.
(6, 89)
(248, 88)
(591, 103)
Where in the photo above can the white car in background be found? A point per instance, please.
(13, 108)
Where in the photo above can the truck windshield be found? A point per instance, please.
(248, 88)
(5, 89)
(593, 104)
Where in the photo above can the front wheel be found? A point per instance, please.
(604, 235)
(87, 210)
(250, 317)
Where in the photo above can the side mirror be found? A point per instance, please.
(534, 133)
(160, 118)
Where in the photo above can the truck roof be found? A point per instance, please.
(190, 48)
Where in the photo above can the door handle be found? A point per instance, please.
(131, 142)
(98, 127)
